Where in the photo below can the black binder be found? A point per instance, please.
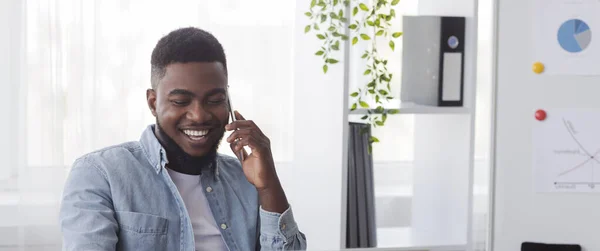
(532, 246)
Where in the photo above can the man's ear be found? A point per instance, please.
(151, 99)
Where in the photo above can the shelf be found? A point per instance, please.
(411, 108)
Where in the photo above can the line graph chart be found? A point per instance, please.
(566, 151)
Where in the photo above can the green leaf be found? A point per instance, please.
(320, 36)
(344, 37)
(379, 109)
(319, 53)
(363, 7)
(364, 55)
(307, 29)
(323, 18)
(316, 27)
(370, 23)
(379, 33)
(388, 18)
(379, 123)
(331, 61)
(372, 91)
(373, 138)
(354, 11)
(335, 2)
(377, 99)
(394, 2)
(372, 84)
(370, 149)
(384, 117)
(335, 47)
(377, 22)
(383, 92)
(336, 34)
(392, 45)
(333, 15)
(363, 104)
(364, 117)
(392, 12)
(354, 94)
(393, 111)
(396, 34)
(308, 14)
(367, 72)
(352, 26)
(354, 40)
(365, 36)
(340, 13)
(313, 3)
(325, 68)
(353, 107)
(337, 44)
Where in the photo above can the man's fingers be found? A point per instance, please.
(238, 115)
(238, 153)
(241, 133)
(240, 124)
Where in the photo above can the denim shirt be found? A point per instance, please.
(122, 198)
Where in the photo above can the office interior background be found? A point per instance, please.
(73, 75)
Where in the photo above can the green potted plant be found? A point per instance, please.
(329, 21)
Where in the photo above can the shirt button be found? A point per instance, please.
(283, 226)
(209, 189)
(223, 226)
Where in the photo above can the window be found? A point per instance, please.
(86, 68)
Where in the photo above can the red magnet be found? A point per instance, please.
(540, 115)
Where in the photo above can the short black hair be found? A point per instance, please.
(185, 45)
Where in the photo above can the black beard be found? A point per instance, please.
(179, 160)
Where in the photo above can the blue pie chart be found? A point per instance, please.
(574, 35)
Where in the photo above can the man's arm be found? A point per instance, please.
(280, 231)
(87, 217)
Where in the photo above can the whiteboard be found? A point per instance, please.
(519, 213)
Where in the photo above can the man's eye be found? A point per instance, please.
(180, 102)
(216, 102)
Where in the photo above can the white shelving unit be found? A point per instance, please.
(443, 159)
(412, 108)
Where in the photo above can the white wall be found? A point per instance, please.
(316, 194)
(9, 42)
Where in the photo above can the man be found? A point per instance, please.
(171, 190)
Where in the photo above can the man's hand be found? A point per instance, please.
(258, 166)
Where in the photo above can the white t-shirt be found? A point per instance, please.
(206, 233)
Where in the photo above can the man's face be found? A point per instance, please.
(190, 104)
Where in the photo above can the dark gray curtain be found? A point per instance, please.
(360, 225)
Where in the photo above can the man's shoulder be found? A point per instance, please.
(111, 155)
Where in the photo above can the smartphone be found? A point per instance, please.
(233, 119)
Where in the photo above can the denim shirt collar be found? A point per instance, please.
(156, 153)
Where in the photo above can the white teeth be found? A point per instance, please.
(194, 133)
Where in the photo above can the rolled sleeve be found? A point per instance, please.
(280, 231)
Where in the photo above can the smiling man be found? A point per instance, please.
(171, 190)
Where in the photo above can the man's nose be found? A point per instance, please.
(198, 114)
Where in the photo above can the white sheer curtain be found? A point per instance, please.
(81, 73)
